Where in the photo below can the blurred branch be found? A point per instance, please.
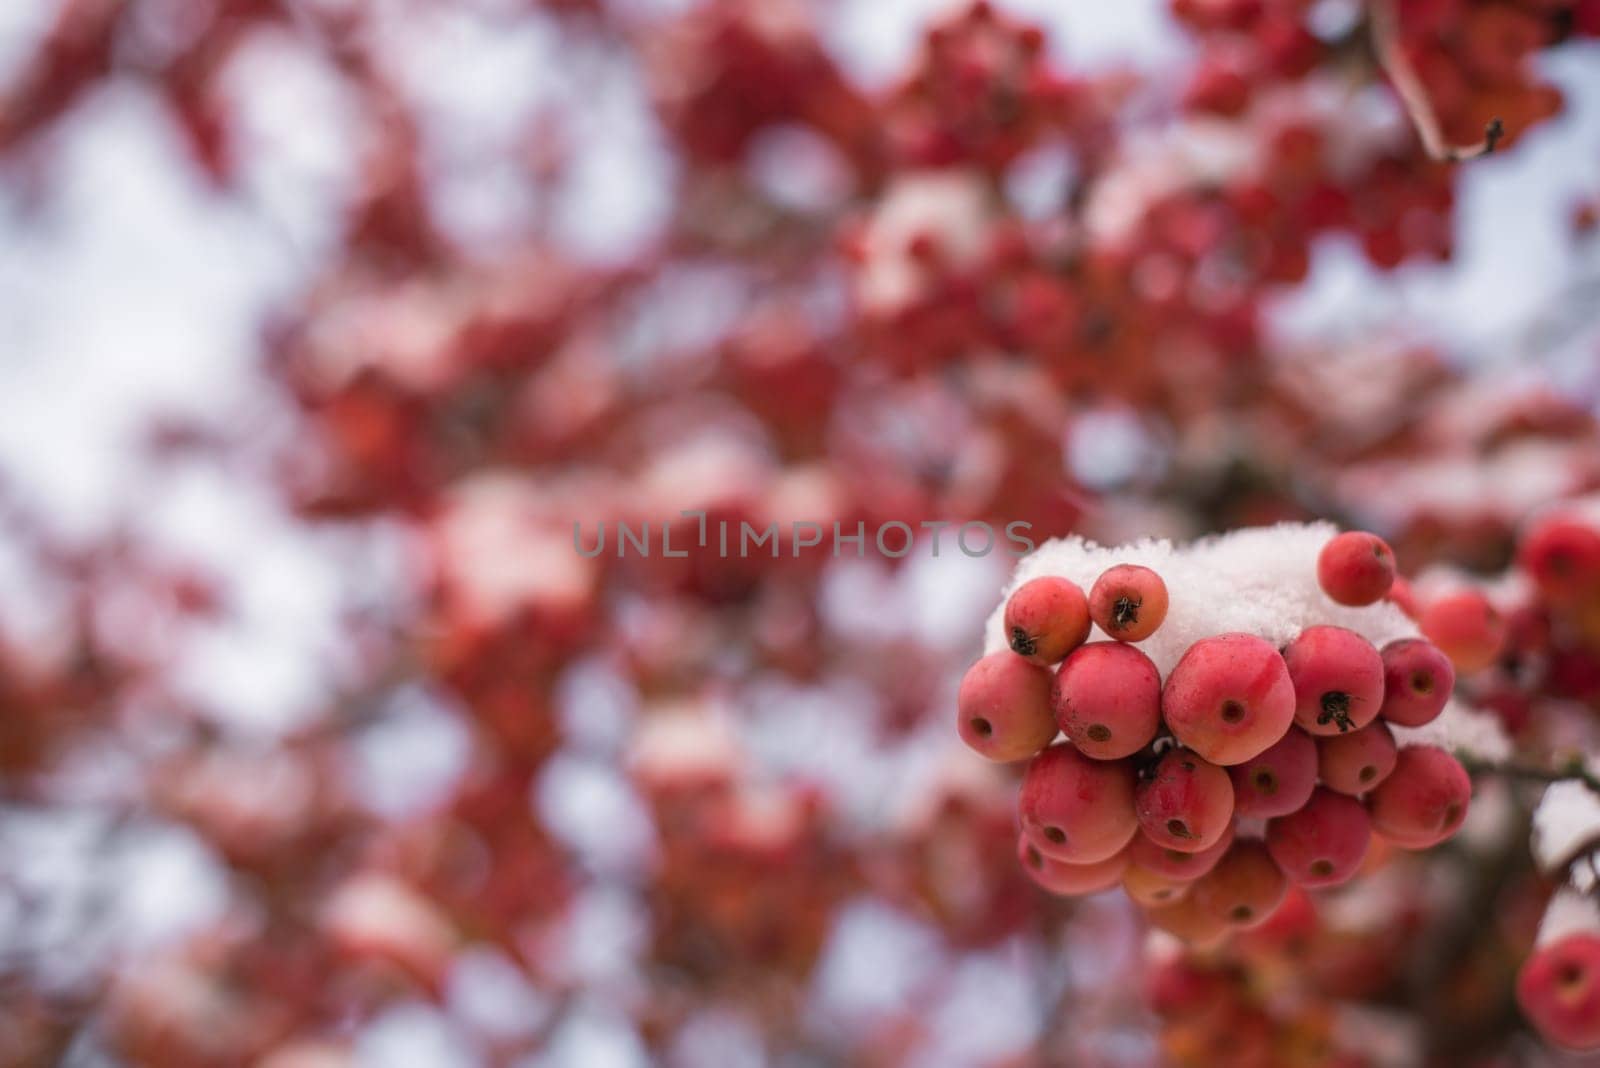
(1414, 95)
(1512, 769)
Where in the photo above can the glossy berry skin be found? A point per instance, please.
(1175, 864)
(1075, 809)
(1417, 682)
(1338, 680)
(1229, 698)
(1423, 801)
(1046, 618)
(1128, 602)
(1466, 628)
(1356, 568)
(1003, 707)
(1357, 762)
(1278, 781)
(1324, 843)
(1186, 803)
(1107, 698)
(1070, 880)
(1153, 889)
(1244, 888)
(1562, 557)
(1559, 990)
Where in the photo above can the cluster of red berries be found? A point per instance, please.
(1559, 990)
(1154, 776)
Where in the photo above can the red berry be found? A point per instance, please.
(1186, 804)
(1324, 843)
(1244, 888)
(1561, 555)
(1188, 920)
(1338, 680)
(1229, 698)
(1153, 889)
(1175, 864)
(1278, 781)
(1075, 809)
(1128, 602)
(1402, 597)
(1070, 880)
(1107, 699)
(1417, 682)
(1423, 801)
(1356, 762)
(1559, 990)
(1467, 628)
(1003, 707)
(1356, 568)
(1047, 618)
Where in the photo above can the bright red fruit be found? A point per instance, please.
(1417, 682)
(1356, 762)
(1562, 556)
(1176, 864)
(1128, 602)
(1467, 628)
(1338, 680)
(1423, 801)
(1324, 843)
(1278, 781)
(1075, 809)
(1186, 804)
(1046, 618)
(1107, 698)
(1229, 698)
(1070, 880)
(1003, 707)
(1356, 568)
(1244, 888)
(1559, 990)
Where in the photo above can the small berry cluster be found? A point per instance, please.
(1154, 775)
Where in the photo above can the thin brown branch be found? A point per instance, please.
(1414, 95)
(1534, 773)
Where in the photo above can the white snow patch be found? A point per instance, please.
(1568, 913)
(1566, 824)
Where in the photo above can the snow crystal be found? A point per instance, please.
(1566, 823)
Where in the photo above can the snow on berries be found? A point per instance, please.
(1242, 715)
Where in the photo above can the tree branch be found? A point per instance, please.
(1414, 95)
(1573, 769)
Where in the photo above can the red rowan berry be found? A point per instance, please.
(1003, 707)
(1356, 568)
(1046, 618)
(1128, 602)
(1107, 698)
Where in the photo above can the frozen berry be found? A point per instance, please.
(1107, 699)
(1176, 864)
(1229, 698)
(1324, 843)
(1003, 707)
(1128, 602)
(1278, 781)
(1070, 880)
(1338, 680)
(1417, 682)
(1075, 809)
(1245, 886)
(1559, 990)
(1046, 618)
(1356, 568)
(1466, 627)
(1356, 762)
(1423, 801)
(1186, 803)
(1153, 889)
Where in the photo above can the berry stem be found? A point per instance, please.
(1414, 95)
